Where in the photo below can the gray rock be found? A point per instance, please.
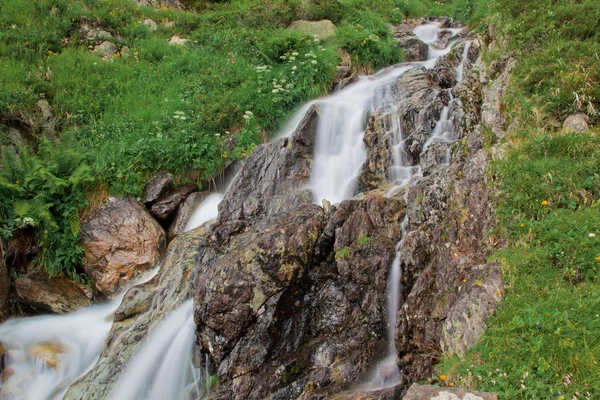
(414, 48)
(106, 50)
(168, 203)
(576, 123)
(125, 52)
(184, 213)
(427, 392)
(55, 295)
(160, 184)
(104, 35)
(150, 24)
(323, 29)
(120, 240)
(177, 41)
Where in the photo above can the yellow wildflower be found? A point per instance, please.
(545, 202)
(451, 384)
(443, 377)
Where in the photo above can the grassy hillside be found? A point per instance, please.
(544, 341)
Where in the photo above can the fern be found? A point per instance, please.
(46, 190)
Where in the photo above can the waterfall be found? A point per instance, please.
(163, 367)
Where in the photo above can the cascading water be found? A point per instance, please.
(74, 340)
(163, 366)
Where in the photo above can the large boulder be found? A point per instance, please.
(120, 240)
(323, 29)
(55, 295)
(414, 48)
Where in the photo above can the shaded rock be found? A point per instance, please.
(48, 353)
(160, 184)
(184, 213)
(427, 392)
(46, 120)
(4, 291)
(120, 240)
(576, 123)
(104, 35)
(444, 73)
(54, 295)
(443, 37)
(169, 202)
(150, 24)
(257, 190)
(106, 50)
(138, 314)
(414, 48)
(176, 40)
(323, 29)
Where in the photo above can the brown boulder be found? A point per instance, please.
(576, 123)
(168, 203)
(54, 295)
(120, 240)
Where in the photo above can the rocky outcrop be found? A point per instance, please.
(426, 392)
(54, 295)
(142, 308)
(107, 50)
(120, 240)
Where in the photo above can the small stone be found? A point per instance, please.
(176, 40)
(48, 353)
(106, 50)
(150, 24)
(576, 123)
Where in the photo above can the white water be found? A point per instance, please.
(206, 212)
(163, 368)
(79, 335)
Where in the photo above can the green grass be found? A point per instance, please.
(544, 340)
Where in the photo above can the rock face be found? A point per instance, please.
(576, 123)
(55, 295)
(323, 29)
(157, 186)
(120, 240)
(142, 308)
(425, 392)
(168, 203)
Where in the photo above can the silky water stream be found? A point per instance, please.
(163, 367)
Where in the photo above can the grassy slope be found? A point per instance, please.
(544, 341)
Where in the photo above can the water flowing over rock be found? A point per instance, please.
(142, 309)
(54, 295)
(120, 240)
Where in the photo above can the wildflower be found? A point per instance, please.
(314, 61)
(598, 259)
(28, 221)
(294, 68)
(443, 377)
(522, 225)
(592, 235)
(538, 325)
(493, 382)
(545, 202)
(295, 53)
(451, 384)
(217, 134)
(274, 91)
(498, 293)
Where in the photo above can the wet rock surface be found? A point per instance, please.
(184, 213)
(120, 240)
(54, 295)
(142, 308)
(414, 48)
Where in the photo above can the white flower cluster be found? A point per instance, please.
(281, 85)
(179, 115)
(262, 68)
(28, 221)
(248, 115)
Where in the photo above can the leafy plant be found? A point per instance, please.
(342, 254)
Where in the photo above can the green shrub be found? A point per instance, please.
(332, 10)
(364, 240)
(278, 43)
(46, 191)
(368, 39)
